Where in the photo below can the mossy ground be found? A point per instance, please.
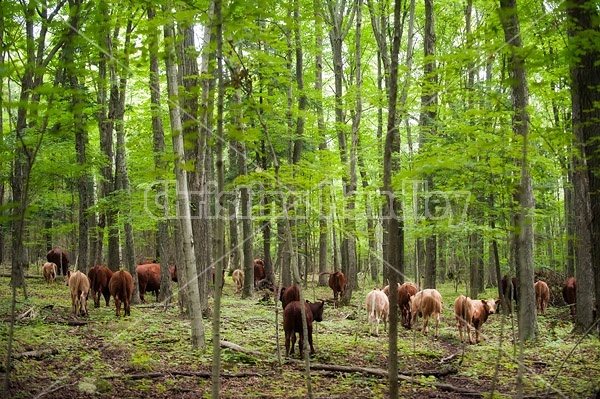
(97, 360)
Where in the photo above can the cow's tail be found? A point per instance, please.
(373, 303)
(465, 312)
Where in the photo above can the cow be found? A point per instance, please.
(509, 290)
(292, 324)
(259, 271)
(426, 303)
(148, 279)
(337, 282)
(378, 309)
(173, 273)
(542, 296)
(49, 271)
(213, 270)
(238, 279)
(481, 310)
(569, 293)
(121, 288)
(59, 257)
(288, 295)
(79, 286)
(405, 291)
(463, 313)
(99, 278)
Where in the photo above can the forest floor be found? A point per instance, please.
(149, 353)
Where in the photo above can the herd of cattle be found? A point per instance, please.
(470, 314)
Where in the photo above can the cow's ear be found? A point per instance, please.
(498, 301)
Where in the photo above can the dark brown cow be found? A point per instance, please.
(213, 273)
(405, 291)
(508, 293)
(288, 295)
(569, 293)
(542, 296)
(121, 288)
(149, 279)
(99, 278)
(337, 282)
(292, 324)
(173, 272)
(59, 257)
(259, 271)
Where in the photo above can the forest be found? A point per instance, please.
(440, 143)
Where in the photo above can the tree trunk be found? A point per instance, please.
(183, 202)
(524, 220)
(158, 146)
(585, 80)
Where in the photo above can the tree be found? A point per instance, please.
(585, 80)
(523, 220)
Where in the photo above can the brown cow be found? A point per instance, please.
(121, 288)
(481, 310)
(59, 257)
(259, 271)
(213, 271)
(542, 296)
(426, 303)
(378, 309)
(49, 271)
(405, 291)
(149, 279)
(79, 286)
(289, 294)
(238, 279)
(337, 282)
(569, 293)
(509, 293)
(292, 324)
(99, 278)
(173, 272)
(463, 313)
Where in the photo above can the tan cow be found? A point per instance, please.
(49, 271)
(542, 296)
(79, 285)
(463, 313)
(378, 309)
(426, 303)
(238, 279)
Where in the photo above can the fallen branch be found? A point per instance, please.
(202, 374)
(448, 358)
(230, 345)
(35, 354)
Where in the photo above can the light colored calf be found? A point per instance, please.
(79, 285)
(378, 309)
(49, 270)
(238, 279)
(427, 303)
(481, 310)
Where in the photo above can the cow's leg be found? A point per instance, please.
(425, 319)
(310, 341)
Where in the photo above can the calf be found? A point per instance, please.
(337, 282)
(426, 303)
(49, 272)
(238, 279)
(121, 288)
(59, 257)
(542, 296)
(289, 294)
(149, 279)
(509, 290)
(378, 309)
(79, 286)
(463, 313)
(259, 271)
(481, 310)
(292, 324)
(99, 278)
(405, 291)
(569, 293)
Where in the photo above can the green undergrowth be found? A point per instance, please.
(104, 354)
